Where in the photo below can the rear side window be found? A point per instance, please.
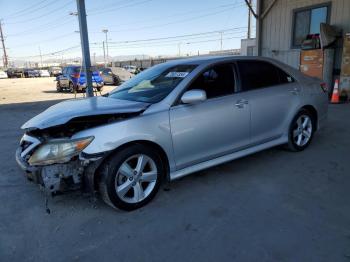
(217, 81)
(259, 74)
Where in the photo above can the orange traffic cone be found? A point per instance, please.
(335, 94)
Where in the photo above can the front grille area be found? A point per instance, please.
(25, 145)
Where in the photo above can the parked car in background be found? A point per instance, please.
(55, 70)
(169, 121)
(109, 77)
(44, 73)
(31, 73)
(130, 68)
(14, 72)
(3, 74)
(73, 79)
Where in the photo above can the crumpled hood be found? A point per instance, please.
(63, 112)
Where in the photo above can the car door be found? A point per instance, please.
(272, 95)
(215, 127)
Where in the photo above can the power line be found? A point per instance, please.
(174, 22)
(51, 53)
(119, 7)
(171, 44)
(177, 15)
(160, 40)
(42, 15)
(184, 41)
(49, 25)
(33, 6)
(178, 36)
(45, 40)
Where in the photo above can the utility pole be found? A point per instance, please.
(249, 20)
(84, 38)
(221, 41)
(104, 53)
(106, 31)
(41, 57)
(5, 59)
(179, 47)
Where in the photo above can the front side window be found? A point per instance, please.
(307, 21)
(152, 85)
(217, 81)
(260, 74)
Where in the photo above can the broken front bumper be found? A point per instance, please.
(54, 178)
(78, 173)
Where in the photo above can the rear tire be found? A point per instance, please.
(71, 87)
(130, 178)
(116, 81)
(301, 131)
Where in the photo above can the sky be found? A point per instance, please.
(46, 27)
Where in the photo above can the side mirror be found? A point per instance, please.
(194, 96)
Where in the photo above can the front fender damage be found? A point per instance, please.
(79, 172)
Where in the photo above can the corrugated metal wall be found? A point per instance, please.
(277, 28)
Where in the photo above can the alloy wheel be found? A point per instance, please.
(302, 131)
(136, 178)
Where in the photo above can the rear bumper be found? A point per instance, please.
(94, 84)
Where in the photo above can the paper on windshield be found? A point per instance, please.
(177, 74)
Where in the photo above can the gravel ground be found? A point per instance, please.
(23, 90)
(271, 206)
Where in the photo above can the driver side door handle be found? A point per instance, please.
(241, 102)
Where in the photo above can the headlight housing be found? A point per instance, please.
(58, 151)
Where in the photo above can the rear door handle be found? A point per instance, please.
(240, 103)
(295, 90)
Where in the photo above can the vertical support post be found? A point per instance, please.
(3, 46)
(259, 22)
(84, 38)
(249, 20)
(104, 53)
(41, 57)
(107, 55)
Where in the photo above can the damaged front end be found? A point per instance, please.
(56, 164)
(50, 157)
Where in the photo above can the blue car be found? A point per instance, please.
(73, 79)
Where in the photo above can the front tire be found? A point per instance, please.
(58, 87)
(301, 131)
(130, 178)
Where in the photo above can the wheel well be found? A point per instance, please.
(313, 112)
(154, 146)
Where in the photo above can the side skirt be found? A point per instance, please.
(226, 158)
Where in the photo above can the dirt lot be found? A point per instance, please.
(23, 90)
(272, 206)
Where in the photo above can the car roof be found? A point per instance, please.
(221, 58)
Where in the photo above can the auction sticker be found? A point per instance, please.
(177, 74)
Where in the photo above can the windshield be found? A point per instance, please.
(152, 85)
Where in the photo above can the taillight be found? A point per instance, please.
(75, 75)
(324, 87)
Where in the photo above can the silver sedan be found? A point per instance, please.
(169, 121)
